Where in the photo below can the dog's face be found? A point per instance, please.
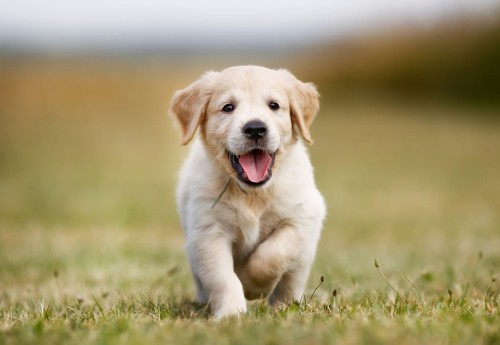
(248, 117)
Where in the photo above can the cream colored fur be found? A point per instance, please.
(256, 241)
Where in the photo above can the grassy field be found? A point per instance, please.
(91, 251)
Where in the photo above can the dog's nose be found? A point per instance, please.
(255, 129)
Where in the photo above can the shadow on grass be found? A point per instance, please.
(184, 309)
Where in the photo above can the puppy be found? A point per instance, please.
(248, 203)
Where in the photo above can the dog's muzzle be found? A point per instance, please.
(254, 167)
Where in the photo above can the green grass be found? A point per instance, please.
(91, 251)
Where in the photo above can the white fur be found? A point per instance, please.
(256, 241)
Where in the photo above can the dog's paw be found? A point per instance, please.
(230, 310)
(229, 303)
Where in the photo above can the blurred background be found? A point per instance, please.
(406, 152)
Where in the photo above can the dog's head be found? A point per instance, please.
(248, 116)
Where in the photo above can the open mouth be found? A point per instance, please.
(254, 167)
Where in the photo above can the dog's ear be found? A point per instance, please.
(189, 105)
(304, 105)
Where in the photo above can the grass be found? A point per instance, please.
(91, 251)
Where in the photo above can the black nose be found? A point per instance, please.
(255, 129)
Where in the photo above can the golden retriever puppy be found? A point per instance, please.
(248, 203)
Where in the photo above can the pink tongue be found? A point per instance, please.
(255, 164)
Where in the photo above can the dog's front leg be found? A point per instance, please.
(212, 260)
(270, 261)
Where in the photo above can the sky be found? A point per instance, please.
(71, 24)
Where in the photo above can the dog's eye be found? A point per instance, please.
(228, 108)
(274, 106)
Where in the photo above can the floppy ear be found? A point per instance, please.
(189, 105)
(304, 105)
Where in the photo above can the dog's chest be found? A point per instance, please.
(253, 228)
